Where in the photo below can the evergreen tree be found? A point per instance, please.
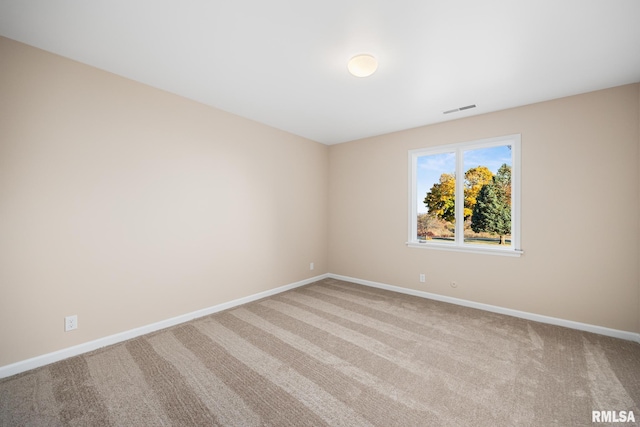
(492, 213)
(503, 179)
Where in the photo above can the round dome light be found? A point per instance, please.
(362, 65)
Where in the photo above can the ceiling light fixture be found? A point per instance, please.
(362, 65)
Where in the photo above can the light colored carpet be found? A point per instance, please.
(339, 354)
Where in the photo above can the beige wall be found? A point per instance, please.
(580, 204)
(127, 205)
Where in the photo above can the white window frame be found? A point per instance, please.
(459, 245)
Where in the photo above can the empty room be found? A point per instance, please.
(338, 213)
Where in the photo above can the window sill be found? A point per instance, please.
(466, 248)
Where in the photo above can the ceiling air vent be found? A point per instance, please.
(455, 110)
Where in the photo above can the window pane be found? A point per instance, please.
(487, 196)
(436, 186)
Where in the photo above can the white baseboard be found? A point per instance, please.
(36, 362)
(625, 335)
(45, 359)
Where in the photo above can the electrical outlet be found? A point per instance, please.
(422, 278)
(70, 323)
(310, 266)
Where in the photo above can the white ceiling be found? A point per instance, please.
(284, 62)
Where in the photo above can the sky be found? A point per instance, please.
(429, 168)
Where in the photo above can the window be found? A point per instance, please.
(479, 213)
